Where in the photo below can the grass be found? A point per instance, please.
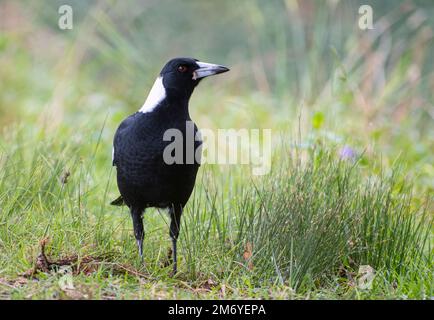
(319, 226)
(305, 228)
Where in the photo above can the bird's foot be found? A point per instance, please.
(169, 261)
(173, 273)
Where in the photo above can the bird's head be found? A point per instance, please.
(183, 74)
(189, 71)
(178, 78)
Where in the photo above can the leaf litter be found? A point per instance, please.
(74, 265)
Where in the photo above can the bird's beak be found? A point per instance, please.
(208, 69)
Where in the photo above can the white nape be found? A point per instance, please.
(156, 95)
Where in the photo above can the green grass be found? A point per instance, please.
(302, 232)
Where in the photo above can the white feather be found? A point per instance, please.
(156, 95)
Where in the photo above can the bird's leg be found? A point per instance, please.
(136, 215)
(175, 224)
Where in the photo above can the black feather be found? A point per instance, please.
(118, 202)
(144, 178)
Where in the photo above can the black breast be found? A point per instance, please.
(144, 178)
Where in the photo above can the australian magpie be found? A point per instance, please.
(145, 179)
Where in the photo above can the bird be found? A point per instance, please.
(145, 178)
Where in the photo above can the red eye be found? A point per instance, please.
(182, 68)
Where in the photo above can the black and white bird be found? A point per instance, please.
(144, 178)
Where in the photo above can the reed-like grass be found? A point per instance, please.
(298, 227)
(306, 220)
(301, 232)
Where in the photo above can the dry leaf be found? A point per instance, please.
(223, 290)
(366, 277)
(247, 255)
(66, 282)
(247, 251)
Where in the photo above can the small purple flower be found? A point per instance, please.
(347, 153)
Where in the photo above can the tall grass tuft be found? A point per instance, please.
(307, 220)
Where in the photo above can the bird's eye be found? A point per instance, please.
(182, 68)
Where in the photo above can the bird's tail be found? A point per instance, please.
(118, 202)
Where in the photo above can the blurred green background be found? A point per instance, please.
(302, 68)
(288, 59)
